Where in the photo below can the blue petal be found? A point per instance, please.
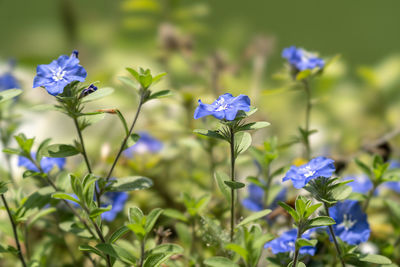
(202, 110)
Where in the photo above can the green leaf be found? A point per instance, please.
(158, 77)
(160, 94)
(134, 73)
(242, 142)
(341, 192)
(122, 119)
(100, 93)
(11, 151)
(238, 249)
(155, 260)
(66, 197)
(88, 248)
(131, 183)
(299, 264)
(221, 177)
(254, 126)
(60, 151)
(303, 75)
(212, 134)
(3, 187)
(321, 221)
(151, 219)
(167, 248)
(364, 167)
(234, 184)
(118, 233)
(377, 259)
(135, 215)
(98, 211)
(138, 229)
(220, 262)
(39, 215)
(9, 94)
(175, 214)
(132, 140)
(302, 242)
(128, 82)
(117, 252)
(290, 210)
(254, 216)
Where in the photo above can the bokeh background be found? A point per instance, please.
(208, 48)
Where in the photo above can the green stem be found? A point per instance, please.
(85, 156)
(268, 179)
(14, 227)
(307, 126)
(297, 249)
(370, 195)
(142, 243)
(232, 146)
(339, 253)
(125, 141)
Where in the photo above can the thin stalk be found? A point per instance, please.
(339, 253)
(232, 143)
(14, 227)
(85, 156)
(142, 243)
(268, 179)
(307, 126)
(370, 195)
(124, 141)
(297, 250)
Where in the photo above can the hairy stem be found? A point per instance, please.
(339, 253)
(14, 227)
(307, 125)
(232, 145)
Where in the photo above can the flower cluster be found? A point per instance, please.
(317, 167)
(59, 73)
(301, 60)
(225, 107)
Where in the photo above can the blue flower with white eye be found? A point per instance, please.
(317, 167)
(59, 73)
(47, 164)
(117, 200)
(361, 184)
(351, 222)
(255, 198)
(300, 59)
(225, 107)
(286, 243)
(8, 81)
(145, 144)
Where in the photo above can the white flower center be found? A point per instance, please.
(221, 105)
(58, 75)
(347, 222)
(308, 172)
(141, 148)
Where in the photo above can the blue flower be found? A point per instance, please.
(317, 167)
(8, 81)
(47, 164)
(225, 107)
(87, 91)
(286, 243)
(361, 184)
(300, 59)
(117, 200)
(145, 144)
(255, 199)
(351, 222)
(60, 72)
